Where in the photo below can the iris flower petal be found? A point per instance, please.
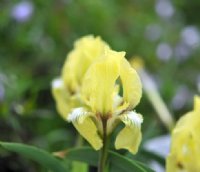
(82, 121)
(130, 136)
(197, 103)
(132, 87)
(185, 151)
(86, 50)
(64, 102)
(99, 82)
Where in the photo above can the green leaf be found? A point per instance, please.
(38, 155)
(118, 163)
(79, 167)
(84, 154)
(121, 163)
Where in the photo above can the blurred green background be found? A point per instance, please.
(35, 37)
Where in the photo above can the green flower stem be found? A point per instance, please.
(104, 151)
(79, 141)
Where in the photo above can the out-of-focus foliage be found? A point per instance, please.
(35, 37)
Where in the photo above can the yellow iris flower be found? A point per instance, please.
(185, 147)
(66, 89)
(97, 80)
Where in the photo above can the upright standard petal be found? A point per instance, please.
(64, 102)
(86, 50)
(99, 87)
(191, 120)
(130, 136)
(82, 121)
(132, 87)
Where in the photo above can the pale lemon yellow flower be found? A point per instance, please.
(104, 106)
(87, 94)
(185, 147)
(66, 88)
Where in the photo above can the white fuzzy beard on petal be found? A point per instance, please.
(133, 118)
(77, 114)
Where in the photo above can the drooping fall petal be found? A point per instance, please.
(86, 127)
(130, 136)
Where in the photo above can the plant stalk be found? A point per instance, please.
(104, 151)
